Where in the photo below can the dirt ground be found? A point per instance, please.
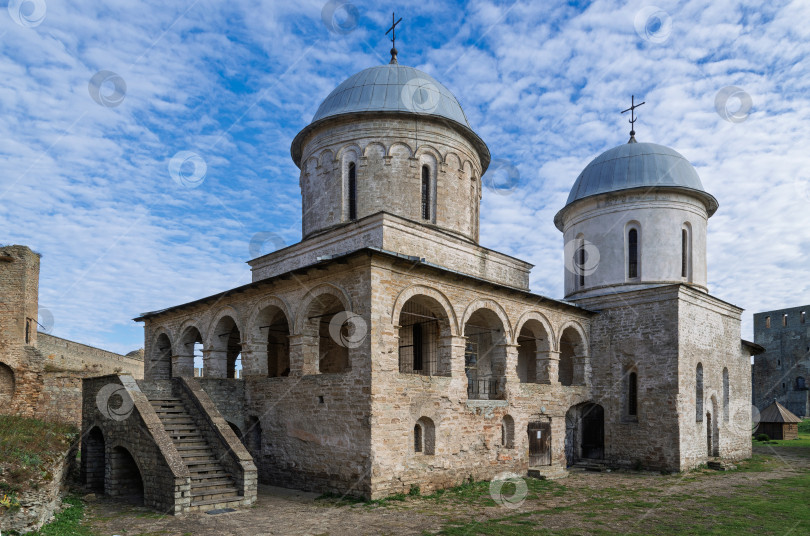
(293, 513)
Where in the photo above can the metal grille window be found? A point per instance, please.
(632, 253)
(352, 192)
(418, 340)
(425, 193)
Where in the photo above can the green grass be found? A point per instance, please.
(28, 446)
(68, 522)
(667, 506)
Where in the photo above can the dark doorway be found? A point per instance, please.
(593, 432)
(584, 433)
(709, 449)
(125, 474)
(93, 460)
(539, 443)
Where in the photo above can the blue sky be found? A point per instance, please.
(85, 174)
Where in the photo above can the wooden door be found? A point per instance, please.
(539, 443)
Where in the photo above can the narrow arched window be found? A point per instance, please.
(352, 192)
(699, 392)
(684, 253)
(632, 394)
(417, 438)
(726, 395)
(581, 262)
(632, 253)
(425, 193)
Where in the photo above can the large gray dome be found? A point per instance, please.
(638, 165)
(393, 89)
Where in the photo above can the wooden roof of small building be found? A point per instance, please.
(776, 412)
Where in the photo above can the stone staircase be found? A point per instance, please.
(211, 485)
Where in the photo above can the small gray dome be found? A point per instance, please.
(392, 88)
(638, 165)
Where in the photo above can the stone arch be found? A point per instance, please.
(400, 144)
(125, 476)
(415, 290)
(468, 169)
(508, 432)
(347, 149)
(496, 308)
(228, 310)
(160, 356)
(534, 340)
(424, 329)
(543, 322)
(486, 328)
(190, 337)
(326, 160)
(224, 346)
(582, 338)
(7, 383)
(573, 348)
(325, 351)
(424, 436)
(374, 148)
(312, 294)
(310, 166)
(452, 160)
(93, 460)
(270, 326)
(429, 150)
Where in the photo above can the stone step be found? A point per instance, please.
(222, 486)
(211, 480)
(216, 503)
(194, 448)
(205, 477)
(229, 493)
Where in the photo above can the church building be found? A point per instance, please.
(388, 349)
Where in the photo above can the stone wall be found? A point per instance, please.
(710, 335)
(139, 432)
(637, 332)
(307, 430)
(782, 372)
(41, 375)
(393, 233)
(388, 154)
(468, 432)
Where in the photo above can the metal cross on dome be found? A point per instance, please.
(393, 31)
(632, 111)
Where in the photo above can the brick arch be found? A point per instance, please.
(312, 294)
(422, 290)
(583, 339)
(7, 383)
(230, 311)
(397, 144)
(492, 306)
(468, 168)
(196, 323)
(551, 342)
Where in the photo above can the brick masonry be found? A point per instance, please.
(41, 375)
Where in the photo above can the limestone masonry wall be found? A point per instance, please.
(782, 372)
